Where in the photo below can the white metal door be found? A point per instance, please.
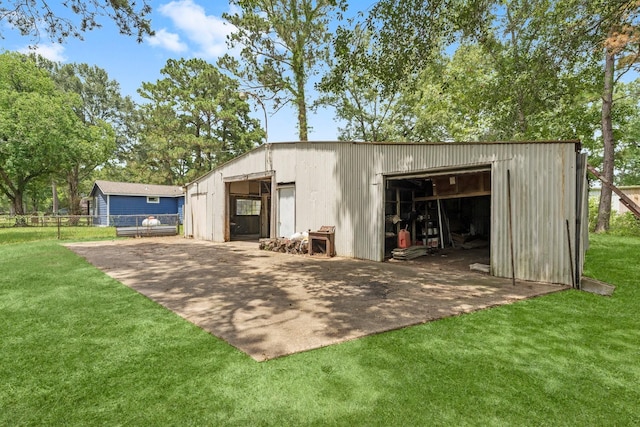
(198, 216)
(286, 211)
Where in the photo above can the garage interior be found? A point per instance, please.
(446, 214)
(249, 209)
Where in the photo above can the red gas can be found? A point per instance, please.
(404, 239)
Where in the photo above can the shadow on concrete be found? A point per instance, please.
(270, 304)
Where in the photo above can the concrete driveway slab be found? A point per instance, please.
(271, 304)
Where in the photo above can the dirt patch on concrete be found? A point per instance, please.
(269, 305)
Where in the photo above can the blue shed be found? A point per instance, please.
(127, 204)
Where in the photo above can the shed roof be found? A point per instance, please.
(274, 145)
(136, 189)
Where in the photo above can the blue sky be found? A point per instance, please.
(184, 29)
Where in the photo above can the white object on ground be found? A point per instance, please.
(150, 222)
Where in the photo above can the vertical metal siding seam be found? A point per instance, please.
(352, 194)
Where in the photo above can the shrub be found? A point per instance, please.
(625, 224)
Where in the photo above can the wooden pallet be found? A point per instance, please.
(409, 253)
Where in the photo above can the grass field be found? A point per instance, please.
(30, 234)
(78, 348)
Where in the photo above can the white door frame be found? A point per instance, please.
(286, 210)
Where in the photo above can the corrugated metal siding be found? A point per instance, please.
(216, 206)
(342, 184)
(360, 200)
(542, 199)
(582, 209)
(258, 160)
(196, 213)
(211, 226)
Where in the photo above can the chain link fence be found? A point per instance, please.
(7, 221)
(125, 225)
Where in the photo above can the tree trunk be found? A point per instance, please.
(73, 180)
(301, 105)
(300, 78)
(18, 202)
(54, 196)
(604, 208)
(302, 119)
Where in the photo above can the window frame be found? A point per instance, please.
(254, 209)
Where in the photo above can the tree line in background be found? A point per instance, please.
(65, 125)
(406, 71)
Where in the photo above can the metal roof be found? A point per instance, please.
(397, 145)
(135, 189)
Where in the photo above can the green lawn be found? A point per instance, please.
(78, 348)
(36, 233)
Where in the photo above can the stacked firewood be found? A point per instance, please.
(287, 246)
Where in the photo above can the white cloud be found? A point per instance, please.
(167, 40)
(51, 51)
(208, 32)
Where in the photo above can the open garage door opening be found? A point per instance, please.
(249, 209)
(443, 216)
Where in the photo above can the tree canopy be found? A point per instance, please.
(501, 70)
(195, 120)
(38, 126)
(35, 17)
(98, 111)
(282, 43)
(415, 70)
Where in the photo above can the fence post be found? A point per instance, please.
(58, 228)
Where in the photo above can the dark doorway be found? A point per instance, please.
(444, 212)
(249, 209)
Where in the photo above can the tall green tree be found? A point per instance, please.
(369, 113)
(34, 17)
(194, 120)
(100, 107)
(535, 75)
(448, 103)
(406, 35)
(621, 52)
(608, 32)
(38, 195)
(544, 55)
(38, 126)
(283, 43)
(626, 133)
(128, 131)
(503, 82)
